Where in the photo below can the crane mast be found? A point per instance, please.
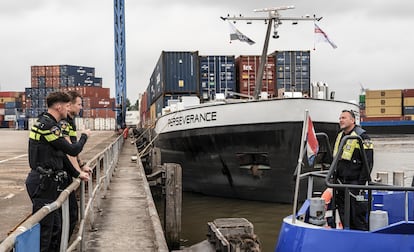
(120, 62)
(273, 19)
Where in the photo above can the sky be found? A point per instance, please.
(373, 38)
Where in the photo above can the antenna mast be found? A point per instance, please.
(275, 19)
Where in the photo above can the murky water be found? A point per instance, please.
(392, 153)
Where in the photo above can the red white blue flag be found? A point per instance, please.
(321, 36)
(312, 145)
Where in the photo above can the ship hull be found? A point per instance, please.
(249, 151)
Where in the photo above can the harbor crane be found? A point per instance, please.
(272, 19)
(120, 62)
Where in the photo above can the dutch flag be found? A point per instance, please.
(312, 145)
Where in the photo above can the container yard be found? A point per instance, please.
(387, 111)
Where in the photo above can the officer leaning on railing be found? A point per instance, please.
(49, 164)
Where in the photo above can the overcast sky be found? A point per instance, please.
(375, 44)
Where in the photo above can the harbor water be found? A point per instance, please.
(392, 153)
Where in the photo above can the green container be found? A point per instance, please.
(361, 98)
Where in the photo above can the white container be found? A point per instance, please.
(317, 211)
(378, 219)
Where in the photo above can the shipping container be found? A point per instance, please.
(93, 102)
(381, 94)
(384, 111)
(382, 118)
(37, 71)
(12, 105)
(408, 93)
(217, 75)
(52, 71)
(393, 102)
(97, 82)
(292, 70)
(10, 94)
(362, 98)
(408, 110)
(246, 71)
(101, 113)
(80, 71)
(408, 101)
(174, 73)
(97, 92)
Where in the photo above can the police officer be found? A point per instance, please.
(69, 132)
(49, 165)
(350, 169)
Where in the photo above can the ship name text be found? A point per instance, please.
(192, 118)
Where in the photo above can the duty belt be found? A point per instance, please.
(55, 175)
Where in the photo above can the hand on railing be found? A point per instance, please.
(84, 176)
(87, 169)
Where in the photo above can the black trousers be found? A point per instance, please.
(41, 192)
(73, 208)
(358, 210)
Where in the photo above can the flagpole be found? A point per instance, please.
(299, 165)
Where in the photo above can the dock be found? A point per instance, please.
(128, 218)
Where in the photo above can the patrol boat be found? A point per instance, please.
(391, 220)
(246, 149)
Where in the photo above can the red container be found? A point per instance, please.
(380, 118)
(97, 92)
(10, 94)
(101, 113)
(408, 93)
(38, 71)
(92, 103)
(52, 71)
(246, 71)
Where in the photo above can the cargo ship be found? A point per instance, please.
(387, 111)
(243, 149)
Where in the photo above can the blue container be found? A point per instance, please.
(408, 110)
(217, 75)
(12, 105)
(175, 73)
(292, 70)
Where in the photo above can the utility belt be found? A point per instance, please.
(48, 176)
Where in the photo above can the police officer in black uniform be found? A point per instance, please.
(69, 132)
(350, 170)
(49, 166)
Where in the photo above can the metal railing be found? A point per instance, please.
(103, 162)
(329, 176)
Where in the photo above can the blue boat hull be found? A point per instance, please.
(296, 238)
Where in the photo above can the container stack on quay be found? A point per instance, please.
(387, 105)
(180, 75)
(98, 108)
(11, 110)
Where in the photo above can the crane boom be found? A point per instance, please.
(120, 62)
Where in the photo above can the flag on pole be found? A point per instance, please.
(237, 35)
(321, 36)
(312, 145)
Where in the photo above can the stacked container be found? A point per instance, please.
(217, 75)
(246, 70)
(383, 105)
(292, 71)
(11, 110)
(408, 104)
(47, 79)
(96, 102)
(175, 74)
